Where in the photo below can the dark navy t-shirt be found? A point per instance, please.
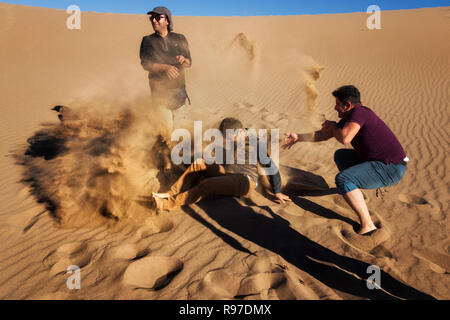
(374, 141)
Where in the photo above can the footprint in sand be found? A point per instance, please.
(217, 284)
(258, 283)
(266, 277)
(153, 273)
(270, 278)
(368, 244)
(275, 117)
(246, 106)
(76, 253)
(412, 201)
(154, 225)
(438, 262)
(261, 262)
(125, 252)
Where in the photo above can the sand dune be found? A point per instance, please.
(77, 192)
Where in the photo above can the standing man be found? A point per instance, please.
(165, 55)
(377, 160)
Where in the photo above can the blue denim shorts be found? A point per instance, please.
(355, 174)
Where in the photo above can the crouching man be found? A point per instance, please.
(377, 160)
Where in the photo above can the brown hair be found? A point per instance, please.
(230, 123)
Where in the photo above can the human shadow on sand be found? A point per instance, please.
(317, 209)
(276, 235)
(303, 183)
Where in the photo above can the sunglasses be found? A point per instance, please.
(157, 17)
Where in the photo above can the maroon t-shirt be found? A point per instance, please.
(374, 141)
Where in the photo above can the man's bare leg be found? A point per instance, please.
(159, 202)
(166, 157)
(161, 195)
(356, 201)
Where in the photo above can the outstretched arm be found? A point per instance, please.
(293, 138)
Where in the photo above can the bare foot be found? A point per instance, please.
(161, 195)
(367, 230)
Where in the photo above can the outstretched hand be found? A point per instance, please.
(282, 198)
(289, 140)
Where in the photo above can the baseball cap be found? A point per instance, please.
(164, 11)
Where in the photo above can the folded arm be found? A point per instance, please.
(151, 64)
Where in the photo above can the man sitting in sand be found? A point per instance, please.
(201, 180)
(377, 160)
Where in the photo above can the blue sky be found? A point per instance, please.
(235, 7)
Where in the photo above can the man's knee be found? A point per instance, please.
(340, 155)
(344, 184)
(339, 179)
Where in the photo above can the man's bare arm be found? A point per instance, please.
(318, 136)
(344, 135)
(292, 138)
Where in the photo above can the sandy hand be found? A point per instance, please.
(289, 140)
(282, 198)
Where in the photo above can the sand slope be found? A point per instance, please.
(87, 205)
